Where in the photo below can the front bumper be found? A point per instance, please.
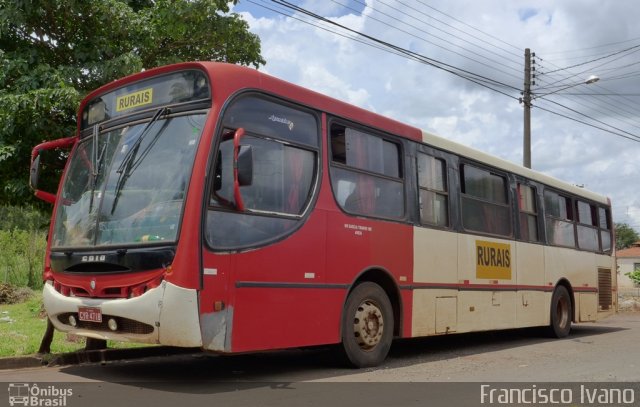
(166, 315)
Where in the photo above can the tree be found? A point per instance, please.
(634, 276)
(53, 52)
(625, 236)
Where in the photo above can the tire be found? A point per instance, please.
(367, 326)
(561, 313)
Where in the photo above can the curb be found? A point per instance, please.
(91, 356)
(21, 362)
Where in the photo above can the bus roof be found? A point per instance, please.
(496, 162)
(238, 77)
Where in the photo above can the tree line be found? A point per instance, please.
(54, 52)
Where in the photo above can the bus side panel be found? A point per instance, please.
(278, 318)
(577, 267)
(281, 295)
(532, 307)
(358, 248)
(435, 264)
(484, 302)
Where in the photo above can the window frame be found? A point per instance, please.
(520, 183)
(570, 219)
(385, 137)
(262, 212)
(594, 223)
(446, 192)
(300, 219)
(608, 230)
(582, 225)
(464, 195)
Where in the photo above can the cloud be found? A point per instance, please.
(487, 38)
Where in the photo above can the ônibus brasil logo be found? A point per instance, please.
(25, 394)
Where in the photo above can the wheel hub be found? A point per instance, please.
(368, 325)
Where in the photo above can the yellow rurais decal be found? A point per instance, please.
(135, 99)
(493, 260)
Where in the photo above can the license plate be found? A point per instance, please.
(90, 314)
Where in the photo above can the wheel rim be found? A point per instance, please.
(368, 325)
(562, 312)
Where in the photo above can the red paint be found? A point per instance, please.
(312, 269)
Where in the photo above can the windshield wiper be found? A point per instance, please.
(127, 166)
(132, 152)
(95, 162)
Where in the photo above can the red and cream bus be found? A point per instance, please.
(210, 205)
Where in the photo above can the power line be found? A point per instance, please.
(635, 49)
(472, 27)
(594, 47)
(634, 138)
(465, 74)
(481, 80)
(434, 36)
(282, 13)
(516, 62)
(600, 94)
(618, 107)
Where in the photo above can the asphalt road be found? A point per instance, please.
(432, 371)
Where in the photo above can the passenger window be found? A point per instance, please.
(528, 213)
(604, 222)
(484, 201)
(366, 173)
(559, 220)
(587, 227)
(433, 197)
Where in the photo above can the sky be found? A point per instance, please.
(571, 39)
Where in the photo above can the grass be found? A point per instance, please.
(23, 334)
(23, 320)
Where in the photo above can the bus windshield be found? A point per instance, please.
(126, 185)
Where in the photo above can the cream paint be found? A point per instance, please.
(447, 258)
(443, 257)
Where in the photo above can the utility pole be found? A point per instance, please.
(526, 100)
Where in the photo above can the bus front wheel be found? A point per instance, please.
(560, 313)
(367, 325)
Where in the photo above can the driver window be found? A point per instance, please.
(284, 143)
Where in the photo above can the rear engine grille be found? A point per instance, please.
(605, 293)
(125, 325)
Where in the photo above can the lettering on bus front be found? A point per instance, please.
(493, 260)
(136, 99)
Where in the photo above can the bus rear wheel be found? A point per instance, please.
(367, 325)
(561, 313)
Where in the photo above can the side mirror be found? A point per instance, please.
(34, 173)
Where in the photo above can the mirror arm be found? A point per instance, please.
(50, 145)
(67, 142)
(236, 182)
(45, 196)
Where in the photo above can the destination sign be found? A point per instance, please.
(135, 99)
(168, 89)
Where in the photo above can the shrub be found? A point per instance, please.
(10, 294)
(23, 218)
(22, 246)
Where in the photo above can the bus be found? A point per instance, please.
(213, 206)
